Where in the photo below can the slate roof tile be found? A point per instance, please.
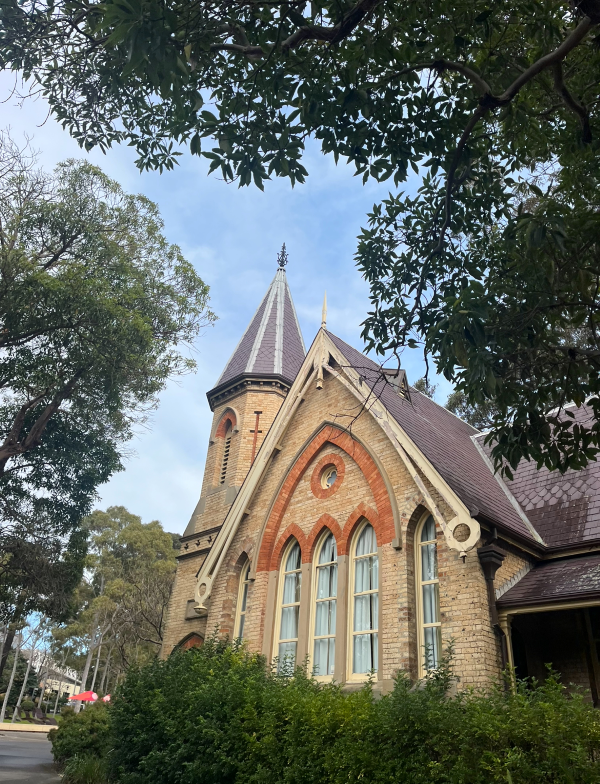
(446, 441)
(564, 508)
(272, 344)
(560, 580)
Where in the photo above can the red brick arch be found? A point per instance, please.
(190, 641)
(324, 523)
(228, 417)
(362, 512)
(291, 532)
(343, 440)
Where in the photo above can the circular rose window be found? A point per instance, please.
(328, 477)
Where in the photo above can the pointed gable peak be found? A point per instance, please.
(272, 345)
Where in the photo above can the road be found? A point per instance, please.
(26, 758)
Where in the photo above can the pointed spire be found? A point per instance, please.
(272, 345)
(324, 314)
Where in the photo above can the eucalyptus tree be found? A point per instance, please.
(123, 599)
(97, 313)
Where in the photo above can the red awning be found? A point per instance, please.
(85, 696)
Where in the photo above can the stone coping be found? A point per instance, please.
(25, 727)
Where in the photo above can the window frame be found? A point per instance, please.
(243, 588)
(281, 578)
(361, 677)
(313, 602)
(419, 583)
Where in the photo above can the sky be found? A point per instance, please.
(232, 236)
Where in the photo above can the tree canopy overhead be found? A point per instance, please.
(96, 309)
(492, 266)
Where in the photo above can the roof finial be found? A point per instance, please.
(282, 257)
(324, 315)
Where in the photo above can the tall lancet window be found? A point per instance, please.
(228, 434)
(289, 607)
(365, 602)
(240, 611)
(430, 636)
(325, 608)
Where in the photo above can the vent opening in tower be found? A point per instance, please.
(228, 435)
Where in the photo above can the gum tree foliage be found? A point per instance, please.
(495, 257)
(96, 309)
(123, 600)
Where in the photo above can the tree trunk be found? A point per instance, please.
(12, 678)
(43, 690)
(12, 628)
(4, 637)
(24, 686)
(8, 641)
(97, 664)
(88, 661)
(62, 666)
(105, 673)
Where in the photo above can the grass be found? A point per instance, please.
(85, 770)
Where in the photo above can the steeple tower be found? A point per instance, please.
(247, 397)
(271, 349)
(244, 402)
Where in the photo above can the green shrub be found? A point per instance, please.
(215, 715)
(82, 734)
(28, 705)
(85, 770)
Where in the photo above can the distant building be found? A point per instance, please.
(65, 678)
(347, 518)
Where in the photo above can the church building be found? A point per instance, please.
(348, 520)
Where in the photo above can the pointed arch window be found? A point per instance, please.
(325, 592)
(240, 610)
(226, 450)
(365, 602)
(289, 606)
(430, 627)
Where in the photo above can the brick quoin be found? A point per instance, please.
(384, 525)
(227, 417)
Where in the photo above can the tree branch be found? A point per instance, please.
(571, 42)
(489, 101)
(569, 101)
(347, 24)
(441, 65)
(12, 445)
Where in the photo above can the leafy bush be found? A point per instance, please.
(85, 770)
(216, 715)
(28, 705)
(84, 734)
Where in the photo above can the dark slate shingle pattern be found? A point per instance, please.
(446, 442)
(561, 580)
(564, 508)
(272, 344)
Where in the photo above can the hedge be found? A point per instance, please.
(217, 715)
(83, 734)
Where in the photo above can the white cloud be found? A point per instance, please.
(232, 236)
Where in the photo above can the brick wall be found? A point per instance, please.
(216, 499)
(464, 607)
